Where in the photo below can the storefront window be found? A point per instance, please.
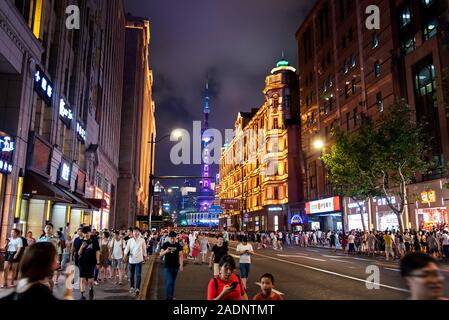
(387, 220)
(432, 217)
(96, 220)
(355, 221)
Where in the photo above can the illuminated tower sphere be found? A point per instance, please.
(206, 195)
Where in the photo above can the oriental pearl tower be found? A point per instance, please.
(206, 195)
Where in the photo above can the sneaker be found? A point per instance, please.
(96, 283)
(137, 292)
(83, 298)
(131, 290)
(91, 294)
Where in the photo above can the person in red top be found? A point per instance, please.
(266, 285)
(196, 251)
(227, 285)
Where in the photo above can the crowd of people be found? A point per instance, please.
(390, 243)
(117, 256)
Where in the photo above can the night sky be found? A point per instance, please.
(234, 43)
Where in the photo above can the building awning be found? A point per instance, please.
(97, 204)
(77, 202)
(37, 187)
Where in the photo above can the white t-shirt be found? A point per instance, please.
(351, 238)
(117, 246)
(445, 239)
(15, 244)
(245, 258)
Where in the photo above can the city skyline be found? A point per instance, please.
(203, 33)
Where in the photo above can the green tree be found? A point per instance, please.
(380, 159)
(401, 154)
(348, 166)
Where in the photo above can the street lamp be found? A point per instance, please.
(318, 144)
(175, 134)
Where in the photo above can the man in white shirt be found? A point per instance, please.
(226, 235)
(116, 255)
(446, 245)
(351, 242)
(137, 250)
(245, 250)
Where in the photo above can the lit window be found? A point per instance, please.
(354, 87)
(427, 3)
(408, 45)
(379, 102)
(353, 61)
(405, 16)
(430, 28)
(425, 80)
(377, 69)
(374, 41)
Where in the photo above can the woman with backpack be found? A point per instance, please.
(227, 285)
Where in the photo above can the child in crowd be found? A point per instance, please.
(266, 286)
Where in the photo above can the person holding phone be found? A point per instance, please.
(172, 252)
(89, 258)
(227, 285)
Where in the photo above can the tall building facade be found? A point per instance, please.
(348, 74)
(138, 126)
(261, 166)
(63, 109)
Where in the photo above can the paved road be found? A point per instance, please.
(303, 274)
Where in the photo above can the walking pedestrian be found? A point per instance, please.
(89, 258)
(13, 248)
(30, 238)
(266, 287)
(423, 277)
(104, 255)
(36, 270)
(388, 240)
(172, 252)
(116, 255)
(196, 251)
(204, 247)
(445, 243)
(219, 250)
(136, 247)
(227, 285)
(245, 250)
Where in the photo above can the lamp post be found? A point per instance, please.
(320, 144)
(152, 142)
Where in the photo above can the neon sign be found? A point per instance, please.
(7, 147)
(65, 113)
(65, 172)
(43, 86)
(81, 132)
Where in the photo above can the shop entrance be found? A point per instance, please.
(325, 222)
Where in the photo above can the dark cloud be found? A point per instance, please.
(233, 43)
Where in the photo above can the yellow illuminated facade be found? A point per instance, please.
(255, 166)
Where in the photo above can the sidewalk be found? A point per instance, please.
(104, 291)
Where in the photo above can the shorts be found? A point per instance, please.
(10, 257)
(87, 271)
(244, 270)
(117, 264)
